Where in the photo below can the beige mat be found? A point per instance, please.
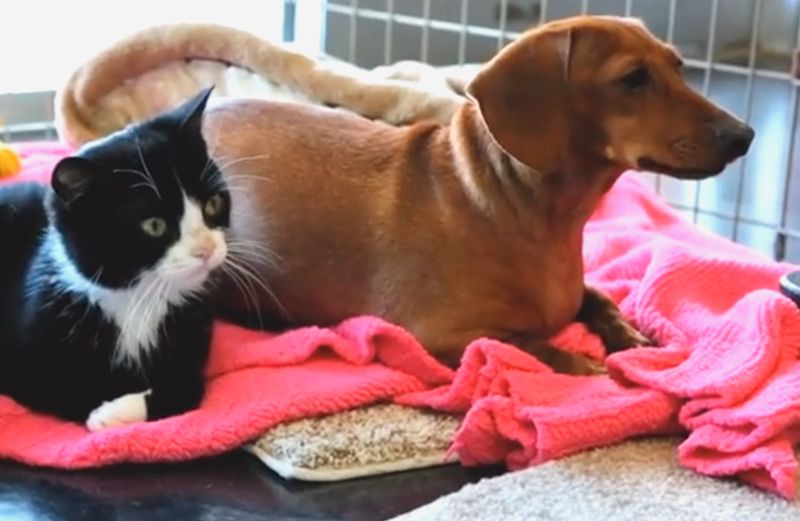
(362, 442)
(634, 481)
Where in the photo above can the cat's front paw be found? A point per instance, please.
(129, 408)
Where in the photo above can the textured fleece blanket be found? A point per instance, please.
(725, 371)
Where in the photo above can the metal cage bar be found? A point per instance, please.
(780, 246)
(671, 14)
(628, 7)
(462, 34)
(748, 108)
(502, 25)
(426, 29)
(712, 35)
(354, 14)
(387, 41)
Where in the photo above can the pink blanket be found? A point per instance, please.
(727, 371)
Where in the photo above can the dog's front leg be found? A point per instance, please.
(603, 318)
(559, 360)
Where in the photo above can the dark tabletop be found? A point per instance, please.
(232, 487)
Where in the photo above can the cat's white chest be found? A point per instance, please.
(139, 313)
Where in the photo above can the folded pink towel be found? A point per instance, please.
(727, 371)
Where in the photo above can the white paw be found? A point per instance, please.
(130, 408)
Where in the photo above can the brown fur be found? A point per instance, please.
(473, 229)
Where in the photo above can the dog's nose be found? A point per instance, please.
(733, 137)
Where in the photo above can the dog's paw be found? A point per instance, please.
(129, 408)
(620, 335)
(587, 366)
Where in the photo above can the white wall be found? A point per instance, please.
(42, 41)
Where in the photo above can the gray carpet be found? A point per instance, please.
(634, 481)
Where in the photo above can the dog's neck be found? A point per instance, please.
(560, 201)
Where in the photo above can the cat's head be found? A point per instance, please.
(145, 201)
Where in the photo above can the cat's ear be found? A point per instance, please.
(72, 176)
(191, 111)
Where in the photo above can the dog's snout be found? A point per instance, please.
(733, 137)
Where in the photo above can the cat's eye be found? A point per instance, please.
(637, 79)
(214, 205)
(154, 227)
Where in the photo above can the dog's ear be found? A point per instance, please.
(522, 96)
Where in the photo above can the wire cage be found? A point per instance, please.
(740, 53)
(737, 52)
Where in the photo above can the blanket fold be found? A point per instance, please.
(725, 371)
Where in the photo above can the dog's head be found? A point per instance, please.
(604, 89)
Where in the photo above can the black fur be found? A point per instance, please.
(56, 345)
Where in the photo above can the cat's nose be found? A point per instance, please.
(203, 248)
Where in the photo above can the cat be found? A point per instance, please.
(104, 275)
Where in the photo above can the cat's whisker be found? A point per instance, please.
(211, 148)
(252, 245)
(144, 165)
(218, 181)
(177, 178)
(97, 274)
(255, 253)
(87, 309)
(151, 298)
(154, 293)
(138, 299)
(248, 285)
(167, 287)
(141, 293)
(73, 330)
(252, 275)
(231, 188)
(232, 178)
(242, 240)
(145, 185)
(231, 183)
(148, 182)
(206, 168)
(249, 299)
(223, 166)
(254, 221)
(131, 171)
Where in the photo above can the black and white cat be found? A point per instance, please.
(104, 317)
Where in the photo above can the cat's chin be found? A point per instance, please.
(193, 280)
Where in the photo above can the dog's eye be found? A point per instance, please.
(637, 79)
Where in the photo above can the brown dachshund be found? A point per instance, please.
(473, 229)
